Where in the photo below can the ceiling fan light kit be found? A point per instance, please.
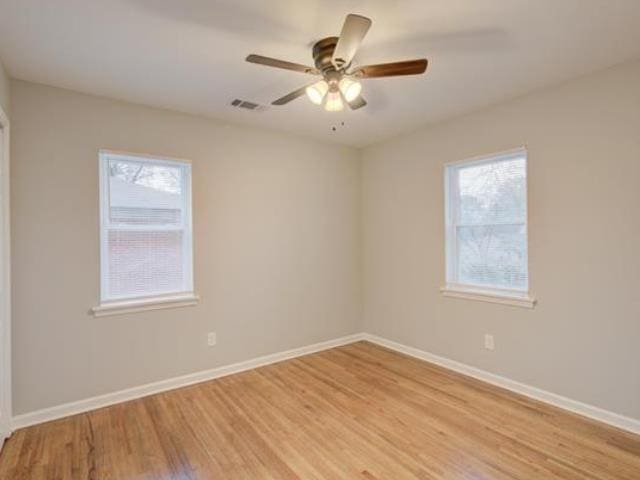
(321, 91)
(333, 58)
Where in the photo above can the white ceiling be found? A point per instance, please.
(188, 55)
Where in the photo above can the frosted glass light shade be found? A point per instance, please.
(350, 89)
(334, 102)
(317, 91)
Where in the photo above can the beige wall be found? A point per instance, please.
(276, 233)
(5, 85)
(583, 339)
(282, 247)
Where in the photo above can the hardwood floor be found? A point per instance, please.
(354, 412)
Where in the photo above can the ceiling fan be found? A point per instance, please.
(340, 81)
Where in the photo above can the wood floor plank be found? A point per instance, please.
(353, 412)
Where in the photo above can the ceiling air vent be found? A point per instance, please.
(246, 105)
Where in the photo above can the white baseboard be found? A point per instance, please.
(81, 406)
(5, 433)
(595, 413)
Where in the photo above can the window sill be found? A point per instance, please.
(502, 297)
(145, 304)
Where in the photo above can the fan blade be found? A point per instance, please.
(357, 103)
(291, 96)
(353, 32)
(410, 67)
(274, 62)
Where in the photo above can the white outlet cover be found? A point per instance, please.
(212, 339)
(489, 343)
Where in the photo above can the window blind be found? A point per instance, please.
(487, 222)
(145, 227)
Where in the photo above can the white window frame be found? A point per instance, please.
(111, 305)
(452, 288)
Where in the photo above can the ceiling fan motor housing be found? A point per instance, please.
(323, 53)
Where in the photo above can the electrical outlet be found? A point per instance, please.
(212, 339)
(489, 344)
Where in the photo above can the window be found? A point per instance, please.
(145, 231)
(486, 216)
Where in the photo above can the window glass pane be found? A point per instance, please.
(145, 262)
(487, 238)
(492, 193)
(146, 227)
(493, 255)
(144, 193)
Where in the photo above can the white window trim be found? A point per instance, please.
(117, 306)
(513, 298)
(516, 298)
(145, 304)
